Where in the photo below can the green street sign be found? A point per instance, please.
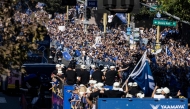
(164, 22)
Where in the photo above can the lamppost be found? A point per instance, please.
(85, 21)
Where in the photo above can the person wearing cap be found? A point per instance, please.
(100, 86)
(104, 70)
(157, 93)
(98, 75)
(59, 56)
(52, 51)
(92, 70)
(164, 92)
(131, 89)
(134, 89)
(92, 83)
(83, 76)
(54, 83)
(70, 76)
(116, 86)
(60, 77)
(63, 67)
(140, 95)
(110, 76)
(73, 63)
(57, 66)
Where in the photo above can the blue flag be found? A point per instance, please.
(168, 52)
(122, 17)
(143, 77)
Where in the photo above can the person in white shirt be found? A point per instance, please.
(160, 93)
(110, 18)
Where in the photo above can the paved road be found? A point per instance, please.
(9, 102)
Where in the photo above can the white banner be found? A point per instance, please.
(61, 28)
(98, 40)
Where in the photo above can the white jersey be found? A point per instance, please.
(110, 17)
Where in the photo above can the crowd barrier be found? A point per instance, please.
(123, 103)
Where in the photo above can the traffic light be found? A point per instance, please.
(69, 2)
(127, 3)
(119, 6)
(88, 13)
(109, 3)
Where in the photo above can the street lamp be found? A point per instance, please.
(85, 21)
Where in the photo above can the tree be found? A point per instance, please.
(144, 13)
(179, 8)
(17, 39)
(53, 6)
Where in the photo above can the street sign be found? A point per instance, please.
(92, 3)
(158, 15)
(128, 31)
(164, 22)
(136, 34)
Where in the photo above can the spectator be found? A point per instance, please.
(98, 75)
(157, 93)
(110, 76)
(92, 70)
(53, 51)
(73, 63)
(70, 76)
(59, 56)
(83, 75)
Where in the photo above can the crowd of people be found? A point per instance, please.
(89, 86)
(107, 59)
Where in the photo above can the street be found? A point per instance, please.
(9, 102)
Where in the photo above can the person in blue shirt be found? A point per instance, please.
(92, 70)
(54, 83)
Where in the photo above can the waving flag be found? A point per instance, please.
(122, 17)
(143, 76)
(40, 4)
(168, 52)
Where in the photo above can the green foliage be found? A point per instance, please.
(53, 6)
(144, 13)
(179, 8)
(14, 48)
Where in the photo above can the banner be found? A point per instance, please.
(145, 103)
(122, 17)
(98, 40)
(144, 41)
(61, 28)
(57, 101)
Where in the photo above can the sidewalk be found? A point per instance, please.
(9, 102)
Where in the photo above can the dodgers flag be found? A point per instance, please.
(143, 76)
(122, 17)
(168, 52)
